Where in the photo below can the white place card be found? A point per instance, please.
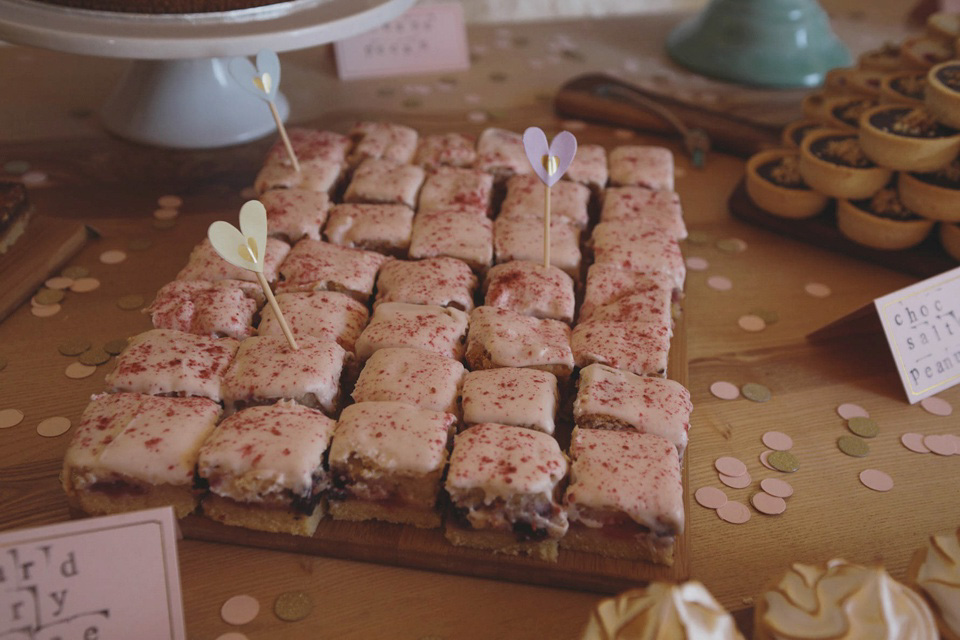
(93, 579)
(426, 39)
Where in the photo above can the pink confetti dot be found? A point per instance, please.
(166, 213)
(113, 256)
(768, 504)
(777, 440)
(730, 466)
(58, 282)
(710, 497)
(956, 443)
(477, 116)
(240, 609)
(719, 283)
(876, 480)
(33, 177)
(53, 427)
(472, 98)
(232, 635)
(817, 290)
(940, 445)
(85, 285)
(736, 482)
(763, 460)
(752, 323)
(13, 417)
(914, 442)
(725, 390)
(45, 310)
(777, 487)
(169, 201)
(937, 406)
(696, 263)
(734, 512)
(849, 410)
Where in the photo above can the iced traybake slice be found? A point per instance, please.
(322, 314)
(607, 284)
(935, 571)
(378, 181)
(264, 469)
(174, 363)
(134, 451)
(638, 308)
(500, 153)
(412, 376)
(451, 187)
(266, 370)
(589, 167)
(217, 309)
(313, 266)
(639, 348)
(635, 248)
(295, 213)
(393, 142)
(311, 144)
(641, 166)
(387, 461)
(317, 175)
(446, 150)
(440, 330)
(659, 209)
(384, 228)
(445, 282)
(526, 199)
(464, 233)
(504, 338)
(625, 497)
(519, 397)
(609, 398)
(521, 238)
(205, 263)
(505, 485)
(530, 289)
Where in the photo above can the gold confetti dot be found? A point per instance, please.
(165, 214)
(853, 446)
(58, 282)
(85, 285)
(130, 302)
(53, 427)
(169, 201)
(48, 296)
(293, 605)
(863, 427)
(78, 371)
(783, 461)
(94, 357)
(10, 418)
(74, 347)
(732, 245)
(45, 310)
(755, 392)
(75, 272)
(115, 347)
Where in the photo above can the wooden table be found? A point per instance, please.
(113, 186)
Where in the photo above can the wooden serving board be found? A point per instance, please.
(925, 260)
(408, 546)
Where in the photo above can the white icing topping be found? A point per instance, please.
(267, 368)
(643, 207)
(522, 239)
(637, 249)
(413, 376)
(531, 290)
(373, 226)
(145, 438)
(465, 233)
(320, 265)
(637, 348)
(451, 188)
(382, 181)
(501, 152)
(394, 142)
(448, 149)
(311, 144)
(607, 284)
(163, 361)
(939, 577)
(206, 264)
(436, 329)
(512, 340)
(261, 452)
(650, 405)
(518, 397)
(651, 307)
(642, 166)
(314, 175)
(295, 213)
(526, 194)
(445, 282)
(589, 166)
(662, 611)
(634, 473)
(220, 308)
(845, 601)
(321, 314)
(393, 436)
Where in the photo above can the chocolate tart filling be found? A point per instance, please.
(950, 77)
(886, 204)
(911, 86)
(947, 178)
(784, 172)
(850, 112)
(912, 123)
(841, 150)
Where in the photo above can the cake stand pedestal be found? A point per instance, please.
(178, 92)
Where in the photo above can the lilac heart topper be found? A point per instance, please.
(549, 162)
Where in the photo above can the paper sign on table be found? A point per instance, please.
(94, 579)
(425, 39)
(922, 326)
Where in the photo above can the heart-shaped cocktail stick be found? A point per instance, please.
(549, 163)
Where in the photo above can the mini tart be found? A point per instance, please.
(886, 59)
(934, 195)
(794, 133)
(814, 106)
(942, 96)
(775, 185)
(832, 162)
(857, 222)
(843, 112)
(924, 52)
(905, 87)
(907, 138)
(950, 239)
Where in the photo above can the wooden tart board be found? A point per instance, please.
(407, 546)
(923, 261)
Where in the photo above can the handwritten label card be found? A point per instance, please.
(922, 325)
(425, 39)
(95, 579)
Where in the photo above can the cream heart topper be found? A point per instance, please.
(549, 162)
(261, 80)
(242, 247)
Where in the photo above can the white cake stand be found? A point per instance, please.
(177, 92)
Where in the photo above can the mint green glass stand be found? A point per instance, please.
(767, 43)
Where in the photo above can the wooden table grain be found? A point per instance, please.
(113, 186)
